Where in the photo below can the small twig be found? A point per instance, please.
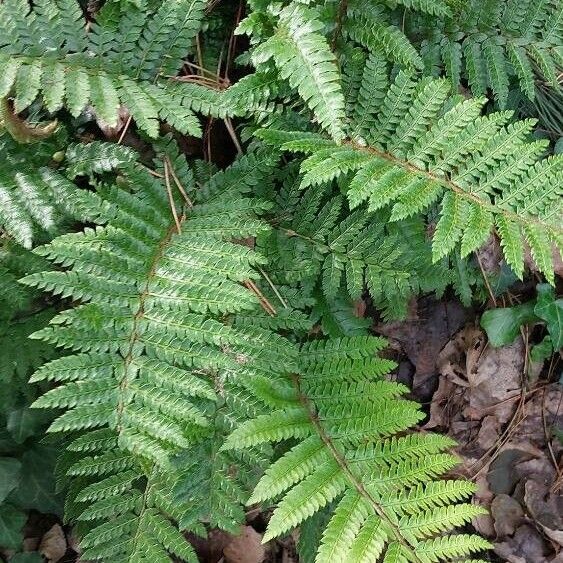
(342, 9)
(548, 441)
(152, 172)
(198, 48)
(178, 183)
(125, 129)
(171, 198)
(274, 288)
(266, 305)
(231, 130)
(487, 284)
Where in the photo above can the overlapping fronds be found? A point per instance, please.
(122, 510)
(123, 59)
(318, 240)
(368, 24)
(36, 200)
(150, 334)
(303, 57)
(424, 148)
(354, 452)
(492, 42)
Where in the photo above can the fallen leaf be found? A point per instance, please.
(210, 549)
(546, 508)
(245, 548)
(490, 256)
(507, 515)
(527, 546)
(484, 523)
(488, 433)
(423, 335)
(494, 381)
(53, 544)
(502, 475)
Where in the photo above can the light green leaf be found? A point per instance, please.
(542, 351)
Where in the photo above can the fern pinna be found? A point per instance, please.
(36, 202)
(125, 58)
(316, 240)
(354, 454)
(494, 44)
(421, 147)
(154, 349)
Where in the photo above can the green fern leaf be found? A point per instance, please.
(364, 492)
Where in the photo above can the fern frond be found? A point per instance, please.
(497, 42)
(124, 59)
(368, 24)
(36, 200)
(303, 57)
(482, 171)
(325, 242)
(143, 370)
(368, 486)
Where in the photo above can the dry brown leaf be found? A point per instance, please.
(546, 509)
(245, 548)
(527, 546)
(30, 544)
(483, 524)
(545, 404)
(488, 433)
(495, 381)
(490, 256)
(424, 334)
(53, 544)
(503, 475)
(210, 549)
(507, 515)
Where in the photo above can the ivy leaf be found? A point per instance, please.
(25, 422)
(542, 351)
(37, 487)
(12, 521)
(9, 476)
(551, 311)
(503, 325)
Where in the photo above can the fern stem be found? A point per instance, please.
(171, 198)
(127, 359)
(343, 464)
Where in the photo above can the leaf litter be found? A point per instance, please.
(505, 424)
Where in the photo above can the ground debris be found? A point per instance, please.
(504, 426)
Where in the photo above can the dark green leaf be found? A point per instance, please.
(11, 523)
(503, 325)
(9, 476)
(25, 422)
(30, 557)
(551, 311)
(37, 486)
